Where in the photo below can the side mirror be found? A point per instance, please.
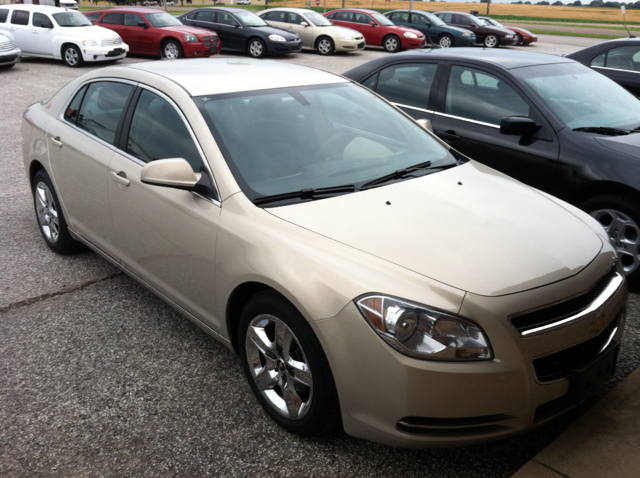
(373, 24)
(304, 24)
(518, 126)
(426, 124)
(46, 25)
(173, 173)
(142, 24)
(235, 24)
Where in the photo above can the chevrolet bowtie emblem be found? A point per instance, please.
(598, 324)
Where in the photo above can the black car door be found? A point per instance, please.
(470, 105)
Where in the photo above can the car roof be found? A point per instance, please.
(224, 9)
(215, 76)
(128, 9)
(289, 9)
(360, 10)
(38, 8)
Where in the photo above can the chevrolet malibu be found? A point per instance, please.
(368, 275)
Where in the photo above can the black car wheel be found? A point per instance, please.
(325, 46)
(286, 366)
(518, 38)
(391, 43)
(445, 41)
(50, 217)
(257, 48)
(72, 56)
(620, 217)
(491, 41)
(172, 50)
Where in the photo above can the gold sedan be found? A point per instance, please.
(315, 31)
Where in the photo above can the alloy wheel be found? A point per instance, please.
(624, 235)
(47, 212)
(324, 46)
(491, 41)
(171, 51)
(71, 56)
(391, 44)
(256, 49)
(445, 42)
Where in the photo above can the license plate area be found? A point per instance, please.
(585, 380)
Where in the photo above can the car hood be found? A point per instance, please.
(457, 29)
(521, 31)
(469, 227)
(336, 30)
(627, 144)
(184, 29)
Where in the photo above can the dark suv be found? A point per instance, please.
(490, 36)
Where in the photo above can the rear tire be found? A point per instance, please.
(620, 217)
(391, 44)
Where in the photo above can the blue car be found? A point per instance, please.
(436, 31)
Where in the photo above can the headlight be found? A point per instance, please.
(89, 43)
(421, 332)
(508, 36)
(410, 35)
(344, 36)
(190, 38)
(465, 34)
(276, 38)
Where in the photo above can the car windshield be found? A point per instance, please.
(72, 19)
(317, 19)
(249, 19)
(434, 20)
(305, 138)
(382, 20)
(162, 19)
(581, 97)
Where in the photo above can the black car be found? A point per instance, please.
(616, 59)
(547, 121)
(488, 35)
(242, 30)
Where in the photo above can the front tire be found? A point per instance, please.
(51, 221)
(71, 56)
(491, 41)
(325, 46)
(620, 217)
(445, 41)
(518, 38)
(391, 44)
(286, 367)
(172, 50)
(257, 48)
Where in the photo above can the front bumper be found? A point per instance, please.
(464, 41)
(401, 401)
(8, 58)
(283, 47)
(199, 49)
(100, 53)
(529, 39)
(411, 43)
(350, 45)
(508, 41)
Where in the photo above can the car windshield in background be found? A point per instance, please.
(72, 19)
(249, 19)
(581, 97)
(435, 20)
(306, 138)
(162, 19)
(382, 20)
(318, 20)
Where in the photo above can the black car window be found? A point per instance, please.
(93, 16)
(371, 82)
(419, 19)
(621, 58)
(226, 19)
(113, 19)
(343, 16)
(158, 132)
(362, 18)
(407, 84)
(71, 113)
(102, 107)
(39, 19)
(132, 20)
(295, 19)
(462, 20)
(204, 16)
(20, 17)
(194, 15)
(402, 17)
(4, 13)
(481, 96)
(276, 16)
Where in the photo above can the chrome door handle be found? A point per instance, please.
(120, 178)
(56, 141)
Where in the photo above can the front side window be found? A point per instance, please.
(295, 19)
(39, 19)
(408, 84)
(314, 137)
(362, 18)
(158, 132)
(343, 16)
(400, 17)
(480, 96)
(20, 17)
(419, 19)
(102, 107)
(113, 19)
(132, 20)
(621, 58)
(462, 20)
(93, 16)
(226, 19)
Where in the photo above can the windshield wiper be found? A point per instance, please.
(400, 173)
(605, 130)
(306, 194)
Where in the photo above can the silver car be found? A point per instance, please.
(366, 274)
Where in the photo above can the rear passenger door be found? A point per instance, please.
(19, 27)
(470, 105)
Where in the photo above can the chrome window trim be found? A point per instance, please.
(467, 119)
(614, 69)
(606, 294)
(422, 110)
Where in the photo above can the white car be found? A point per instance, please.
(9, 53)
(52, 32)
(243, 2)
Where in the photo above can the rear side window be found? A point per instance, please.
(113, 19)
(71, 113)
(20, 17)
(4, 13)
(102, 108)
(275, 16)
(407, 84)
(205, 16)
(445, 17)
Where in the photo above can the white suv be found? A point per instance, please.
(60, 33)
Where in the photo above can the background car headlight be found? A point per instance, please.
(419, 331)
(344, 36)
(465, 34)
(89, 43)
(190, 38)
(508, 36)
(410, 35)
(276, 38)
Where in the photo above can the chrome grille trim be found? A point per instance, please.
(112, 41)
(6, 46)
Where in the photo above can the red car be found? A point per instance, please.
(155, 32)
(377, 29)
(524, 37)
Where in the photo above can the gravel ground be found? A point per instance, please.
(100, 378)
